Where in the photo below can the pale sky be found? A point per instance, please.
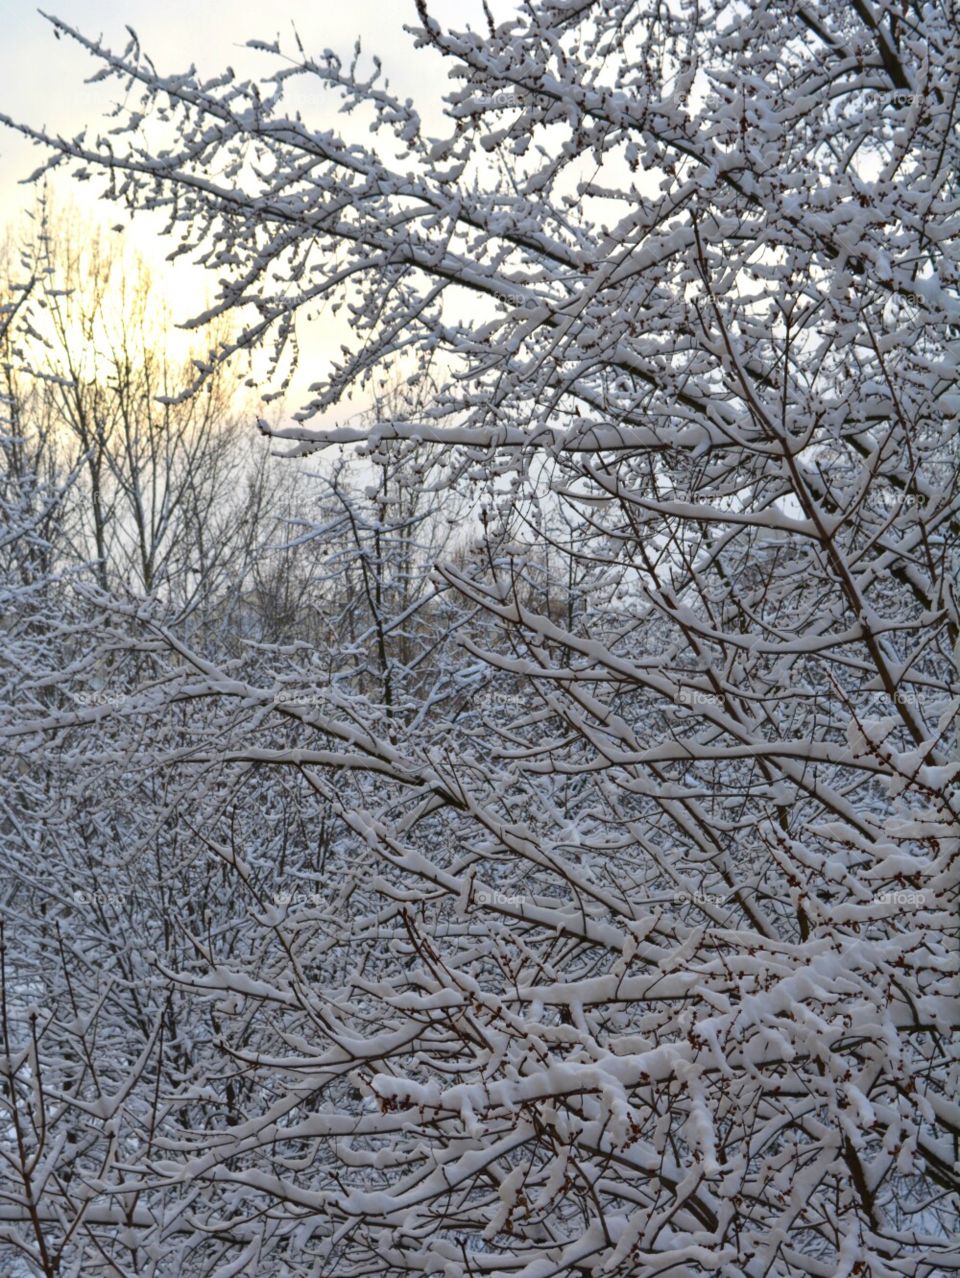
(42, 83)
(42, 79)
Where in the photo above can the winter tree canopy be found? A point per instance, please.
(570, 888)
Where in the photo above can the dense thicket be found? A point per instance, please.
(560, 876)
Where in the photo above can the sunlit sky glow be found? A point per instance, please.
(42, 83)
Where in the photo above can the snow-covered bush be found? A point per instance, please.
(645, 965)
